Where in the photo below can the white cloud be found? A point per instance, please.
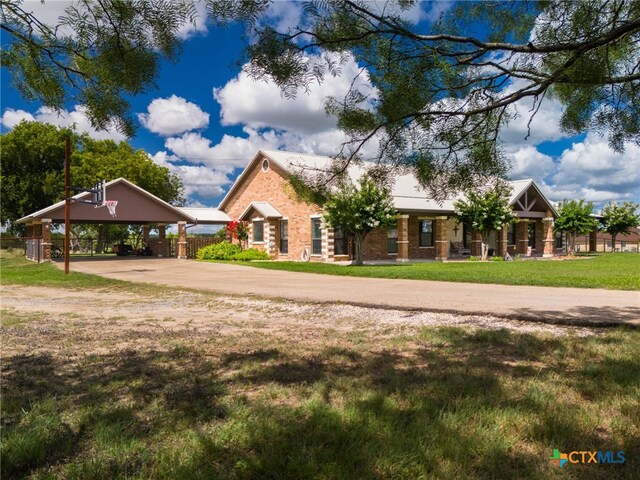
(77, 119)
(11, 117)
(199, 25)
(173, 115)
(591, 166)
(528, 162)
(196, 179)
(260, 104)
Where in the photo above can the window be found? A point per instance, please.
(392, 240)
(511, 234)
(340, 245)
(532, 234)
(284, 236)
(258, 231)
(466, 236)
(316, 237)
(265, 165)
(559, 240)
(426, 233)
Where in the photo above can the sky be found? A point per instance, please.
(207, 119)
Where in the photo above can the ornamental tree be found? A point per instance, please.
(238, 230)
(484, 212)
(619, 219)
(575, 218)
(358, 210)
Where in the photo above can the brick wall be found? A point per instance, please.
(273, 186)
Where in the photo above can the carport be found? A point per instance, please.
(136, 206)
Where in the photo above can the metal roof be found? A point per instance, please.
(160, 211)
(406, 191)
(205, 215)
(263, 208)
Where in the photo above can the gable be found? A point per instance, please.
(135, 206)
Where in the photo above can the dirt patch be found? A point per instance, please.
(85, 322)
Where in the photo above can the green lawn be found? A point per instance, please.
(618, 271)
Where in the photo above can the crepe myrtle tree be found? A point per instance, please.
(575, 218)
(238, 230)
(619, 219)
(358, 210)
(485, 211)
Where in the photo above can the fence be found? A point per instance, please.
(33, 249)
(195, 244)
(605, 246)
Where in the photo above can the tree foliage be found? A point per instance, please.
(32, 168)
(444, 91)
(99, 53)
(484, 212)
(575, 218)
(619, 218)
(358, 210)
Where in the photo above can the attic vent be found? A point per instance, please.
(265, 165)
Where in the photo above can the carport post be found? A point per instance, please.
(67, 202)
(182, 240)
(161, 237)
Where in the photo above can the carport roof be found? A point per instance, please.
(135, 206)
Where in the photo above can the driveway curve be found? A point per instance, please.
(595, 307)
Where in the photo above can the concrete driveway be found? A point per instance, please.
(558, 305)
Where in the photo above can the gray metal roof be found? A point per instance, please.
(205, 215)
(263, 208)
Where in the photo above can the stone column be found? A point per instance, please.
(502, 239)
(476, 244)
(162, 233)
(403, 238)
(37, 243)
(440, 238)
(182, 240)
(593, 241)
(522, 236)
(547, 236)
(538, 241)
(46, 240)
(145, 235)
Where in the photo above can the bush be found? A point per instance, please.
(219, 251)
(497, 259)
(251, 254)
(473, 258)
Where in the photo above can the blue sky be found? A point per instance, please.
(206, 120)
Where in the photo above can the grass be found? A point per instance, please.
(253, 401)
(617, 271)
(457, 405)
(17, 270)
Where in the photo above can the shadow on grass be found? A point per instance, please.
(461, 406)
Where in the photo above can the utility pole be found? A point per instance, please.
(67, 202)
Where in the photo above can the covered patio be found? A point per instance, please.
(136, 206)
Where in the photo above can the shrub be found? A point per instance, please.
(497, 259)
(250, 254)
(219, 251)
(473, 258)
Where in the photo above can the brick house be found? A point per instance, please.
(289, 229)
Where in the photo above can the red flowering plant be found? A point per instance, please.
(237, 229)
